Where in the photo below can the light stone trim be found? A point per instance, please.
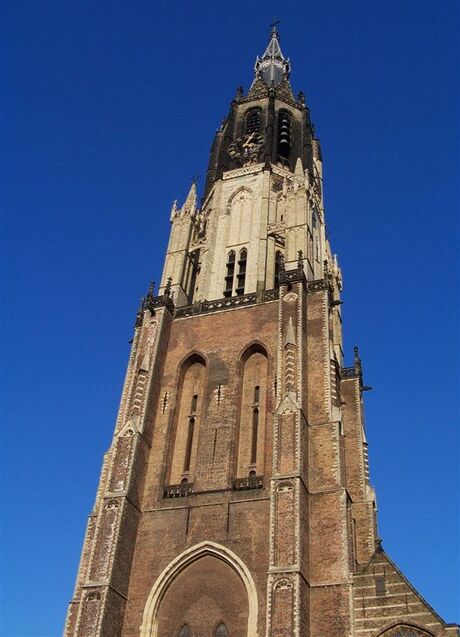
(252, 169)
(149, 627)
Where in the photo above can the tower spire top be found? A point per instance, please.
(273, 67)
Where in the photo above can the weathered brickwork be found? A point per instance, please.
(234, 499)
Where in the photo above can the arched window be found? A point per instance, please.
(230, 274)
(284, 135)
(189, 413)
(252, 122)
(221, 630)
(184, 631)
(241, 277)
(251, 437)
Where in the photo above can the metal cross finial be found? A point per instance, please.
(195, 178)
(274, 24)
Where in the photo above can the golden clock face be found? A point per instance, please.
(246, 149)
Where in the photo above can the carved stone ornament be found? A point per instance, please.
(290, 297)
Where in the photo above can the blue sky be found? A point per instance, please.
(109, 110)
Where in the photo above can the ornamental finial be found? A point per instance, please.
(168, 286)
(300, 260)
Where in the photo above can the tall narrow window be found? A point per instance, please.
(255, 428)
(284, 135)
(278, 266)
(188, 449)
(253, 121)
(241, 276)
(194, 404)
(230, 274)
(255, 425)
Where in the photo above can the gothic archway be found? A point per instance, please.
(404, 630)
(185, 571)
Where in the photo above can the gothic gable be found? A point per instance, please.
(387, 605)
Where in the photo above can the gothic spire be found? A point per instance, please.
(273, 67)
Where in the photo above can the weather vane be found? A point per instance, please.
(274, 24)
(195, 178)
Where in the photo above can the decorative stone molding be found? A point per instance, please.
(249, 482)
(178, 490)
(251, 169)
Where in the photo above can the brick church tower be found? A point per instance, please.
(234, 500)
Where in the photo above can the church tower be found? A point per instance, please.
(234, 500)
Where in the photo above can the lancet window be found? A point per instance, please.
(241, 276)
(221, 631)
(184, 631)
(230, 274)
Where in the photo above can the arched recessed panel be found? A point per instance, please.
(207, 597)
(240, 217)
(251, 436)
(188, 417)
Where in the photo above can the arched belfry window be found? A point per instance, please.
(187, 425)
(185, 631)
(221, 630)
(252, 121)
(241, 277)
(284, 135)
(230, 274)
(253, 407)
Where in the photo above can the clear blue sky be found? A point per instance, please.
(109, 109)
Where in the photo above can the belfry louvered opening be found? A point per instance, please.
(252, 121)
(284, 135)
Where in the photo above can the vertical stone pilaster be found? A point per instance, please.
(328, 529)
(286, 607)
(102, 585)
